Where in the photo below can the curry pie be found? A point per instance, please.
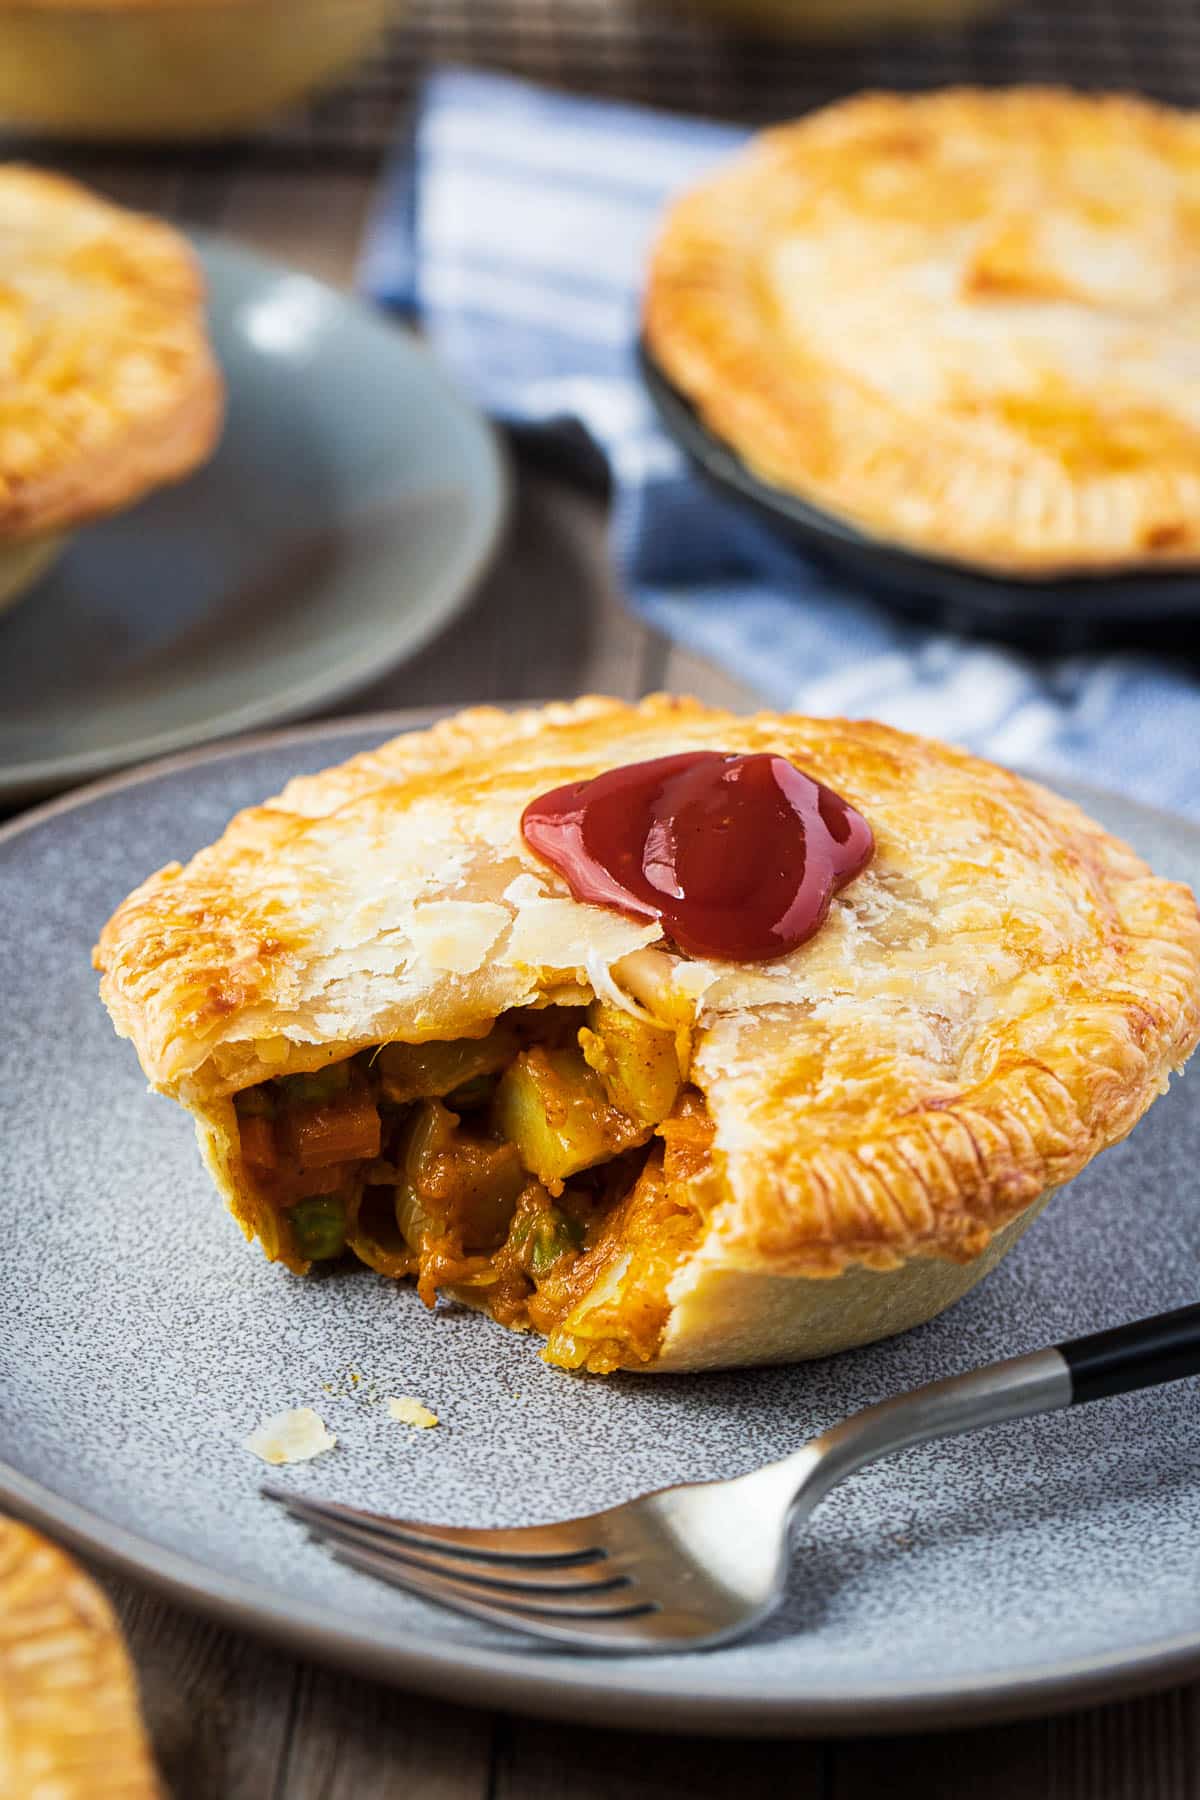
(967, 322)
(110, 387)
(404, 1036)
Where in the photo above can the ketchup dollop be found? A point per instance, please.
(738, 857)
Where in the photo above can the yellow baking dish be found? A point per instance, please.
(171, 68)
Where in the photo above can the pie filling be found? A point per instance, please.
(554, 1172)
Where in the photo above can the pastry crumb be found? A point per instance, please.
(352, 1383)
(408, 1411)
(290, 1437)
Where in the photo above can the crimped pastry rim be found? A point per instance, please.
(1165, 594)
(700, 322)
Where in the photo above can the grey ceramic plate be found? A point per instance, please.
(141, 1339)
(353, 502)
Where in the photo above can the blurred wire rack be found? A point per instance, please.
(684, 61)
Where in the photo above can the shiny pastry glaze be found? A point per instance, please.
(738, 857)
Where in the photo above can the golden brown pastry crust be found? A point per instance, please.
(112, 388)
(998, 996)
(69, 1721)
(968, 322)
(723, 1315)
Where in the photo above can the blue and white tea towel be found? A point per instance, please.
(514, 227)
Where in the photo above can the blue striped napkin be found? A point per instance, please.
(513, 225)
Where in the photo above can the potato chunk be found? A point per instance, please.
(555, 1110)
(637, 1063)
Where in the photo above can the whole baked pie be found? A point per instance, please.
(109, 385)
(966, 322)
(685, 1039)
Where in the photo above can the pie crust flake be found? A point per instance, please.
(967, 322)
(400, 1034)
(110, 384)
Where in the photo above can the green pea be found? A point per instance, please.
(319, 1227)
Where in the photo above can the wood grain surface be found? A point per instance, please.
(233, 1719)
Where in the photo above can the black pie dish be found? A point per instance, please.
(1149, 611)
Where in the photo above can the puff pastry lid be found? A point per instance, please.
(1003, 991)
(968, 322)
(109, 385)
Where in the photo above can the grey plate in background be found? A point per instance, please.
(353, 502)
(1038, 1564)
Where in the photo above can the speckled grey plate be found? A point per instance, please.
(141, 1339)
(353, 502)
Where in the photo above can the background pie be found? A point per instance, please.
(968, 322)
(110, 387)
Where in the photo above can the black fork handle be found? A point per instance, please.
(1142, 1354)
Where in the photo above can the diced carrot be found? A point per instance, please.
(302, 1184)
(346, 1130)
(258, 1142)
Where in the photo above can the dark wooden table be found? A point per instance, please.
(233, 1719)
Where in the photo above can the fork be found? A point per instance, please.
(701, 1563)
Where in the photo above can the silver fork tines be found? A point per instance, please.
(680, 1569)
(543, 1581)
(523, 1543)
